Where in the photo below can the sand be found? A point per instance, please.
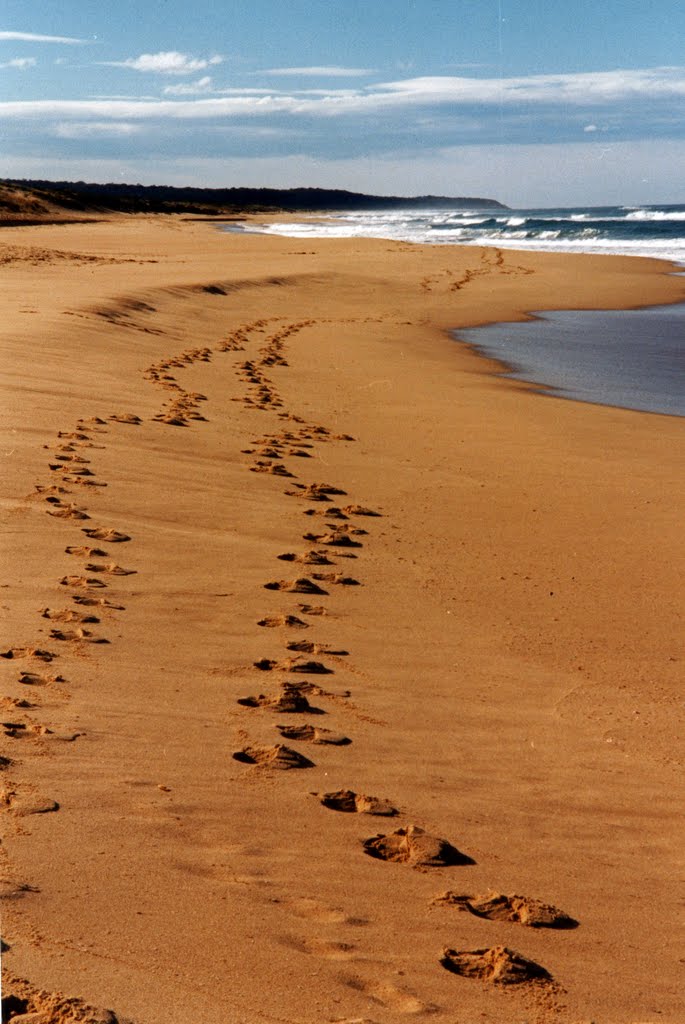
(270, 757)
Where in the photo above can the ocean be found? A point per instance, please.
(633, 359)
(657, 230)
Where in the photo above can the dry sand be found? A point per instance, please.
(499, 643)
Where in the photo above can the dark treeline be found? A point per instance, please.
(81, 195)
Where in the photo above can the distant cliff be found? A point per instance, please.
(77, 197)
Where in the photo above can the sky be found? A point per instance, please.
(532, 102)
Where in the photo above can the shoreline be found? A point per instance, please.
(586, 376)
(504, 665)
(542, 231)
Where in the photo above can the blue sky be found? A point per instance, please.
(529, 101)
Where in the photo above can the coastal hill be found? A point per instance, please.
(38, 200)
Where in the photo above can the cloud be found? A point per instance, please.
(95, 129)
(20, 62)
(583, 89)
(32, 37)
(526, 100)
(191, 88)
(323, 71)
(167, 62)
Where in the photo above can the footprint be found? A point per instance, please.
(310, 734)
(314, 492)
(126, 417)
(359, 510)
(77, 473)
(111, 568)
(51, 490)
(330, 513)
(308, 647)
(321, 947)
(81, 481)
(334, 539)
(73, 435)
(312, 609)
(85, 552)
(498, 965)
(23, 1003)
(413, 846)
(34, 679)
(311, 910)
(81, 581)
(171, 419)
(348, 801)
(388, 995)
(298, 586)
(307, 667)
(290, 621)
(10, 890)
(77, 635)
(291, 701)
(294, 665)
(90, 422)
(517, 909)
(68, 615)
(349, 528)
(72, 458)
(28, 652)
(276, 469)
(69, 512)
(312, 557)
(279, 757)
(17, 702)
(336, 578)
(102, 533)
(100, 602)
(14, 730)
(23, 805)
(268, 452)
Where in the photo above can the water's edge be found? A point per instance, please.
(630, 359)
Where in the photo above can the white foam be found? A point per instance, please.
(515, 231)
(656, 215)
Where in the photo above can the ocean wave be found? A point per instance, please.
(636, 231)
(656, 215)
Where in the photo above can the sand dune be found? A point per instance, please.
(321, 641)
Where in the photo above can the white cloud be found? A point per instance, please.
(32, 37)
(20, 62)
(190, 89)
(95, 130)
(581, 89)
(605, 89)
(323, 71)
(167, 62)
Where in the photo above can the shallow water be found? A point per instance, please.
(634, 359)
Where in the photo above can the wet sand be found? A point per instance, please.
(268, 535)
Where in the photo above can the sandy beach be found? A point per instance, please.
(340, 676)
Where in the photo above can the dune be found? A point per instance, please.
(340, 674)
